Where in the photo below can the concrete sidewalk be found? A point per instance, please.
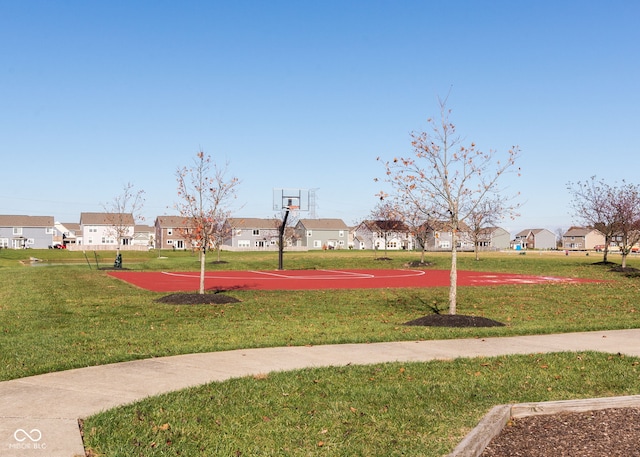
(39, 414)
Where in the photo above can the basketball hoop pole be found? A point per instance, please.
(281, 240)
(283, 226)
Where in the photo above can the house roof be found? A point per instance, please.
(389, 225)
(253, 223)
(490, 230)
(171, 221)
(26, 221)
(106, 218)
(323, 224)
(445, 226)
(579, 231)
(71, 226)
(526, 232)
(143, 228)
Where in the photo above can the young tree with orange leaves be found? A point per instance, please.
(448, 181)
(205, 195)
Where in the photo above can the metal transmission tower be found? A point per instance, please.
(312, 203)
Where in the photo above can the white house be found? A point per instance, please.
(102, 230)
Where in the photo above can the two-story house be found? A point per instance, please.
(322, 233)
(106, 230)
(581, 239)
(68, 234)
(24, 232)
(144, 235)
(170, 232)
(252, 233)
(493, 238)
(382, 234)
(534, 239)
(438, 236)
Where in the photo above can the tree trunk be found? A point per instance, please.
(203, 253)
(453, 276)
(624, 259)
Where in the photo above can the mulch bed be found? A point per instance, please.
(454, 320)
(197, 299)
(601, 433)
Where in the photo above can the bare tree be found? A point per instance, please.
(419, 225)
(484, 217)
(626, 204)
(121, 214)
(447, 180)
(205, 197)
(592, 206)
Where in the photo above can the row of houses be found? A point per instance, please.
(96, 231)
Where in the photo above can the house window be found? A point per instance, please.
(256, 232)
(169, 241)
(244, 244)
(309, 233)
(4, 243)
(179, 244)
(341, 233)
(317, 244)
(341, 242)
(48, 230)
(238, 232)
(169, 231)
(17, 230)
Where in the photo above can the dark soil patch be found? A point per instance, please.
(630, 272)
(454, 320)
(607, 263)
(418, 264)
(197, 299)
(383, 258)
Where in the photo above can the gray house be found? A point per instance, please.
(493, 238)
(534, 239)
(24, 232)
(322, 233)
(252, 233)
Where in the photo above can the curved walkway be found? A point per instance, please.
(39, 414)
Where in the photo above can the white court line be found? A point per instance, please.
(267, 275)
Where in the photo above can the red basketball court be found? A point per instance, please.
(323, 279)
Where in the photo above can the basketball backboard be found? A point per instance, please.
(287, 198)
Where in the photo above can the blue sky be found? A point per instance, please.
(94, 95)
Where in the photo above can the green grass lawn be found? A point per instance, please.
(65, 313)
